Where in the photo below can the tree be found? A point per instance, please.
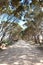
(28, 14)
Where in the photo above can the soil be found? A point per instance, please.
(22, 53)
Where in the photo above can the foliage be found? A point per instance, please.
(30, 15)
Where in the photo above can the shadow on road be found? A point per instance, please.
(21, 53)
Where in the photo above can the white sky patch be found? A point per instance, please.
(30, 1)
(3, 17)
(21, 23)
(42, 9)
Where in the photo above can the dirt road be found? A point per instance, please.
(22, 53)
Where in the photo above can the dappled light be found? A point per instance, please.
(21, 32)
(41, 60)
(38, 64)
(21, 54)
(16, 63)
(3, 64)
